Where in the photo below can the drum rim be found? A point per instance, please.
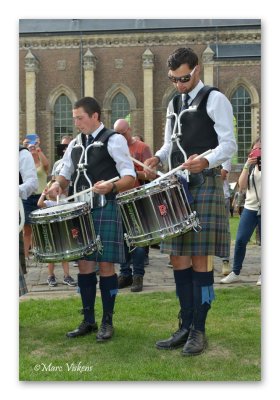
(142, 193)
(48, 212)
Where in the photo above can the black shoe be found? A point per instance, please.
(196, 343)
(124, 281)
(137, 284)
(83, 329)
(105, 332)
(178, 339)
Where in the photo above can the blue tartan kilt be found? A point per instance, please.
(108, 225)
(214, 238)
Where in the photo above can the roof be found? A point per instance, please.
(229, 51)
(66, 26)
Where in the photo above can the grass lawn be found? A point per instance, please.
(233, 330)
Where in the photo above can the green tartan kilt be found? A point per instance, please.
(214, 238)
(108, 225)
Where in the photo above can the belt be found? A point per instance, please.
(198, 179)
(212, 172)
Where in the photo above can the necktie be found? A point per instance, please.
(89, 140)
(185, 99)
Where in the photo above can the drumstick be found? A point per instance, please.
(146, 166)
(90, 189)
(171, 172)
(203, 154)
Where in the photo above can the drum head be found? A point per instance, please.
(61, 211)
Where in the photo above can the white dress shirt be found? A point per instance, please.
(28, 173)
(117, 148)
(219, 110)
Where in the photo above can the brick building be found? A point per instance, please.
(122, 63)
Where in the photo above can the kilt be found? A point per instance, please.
(108, 224)
(21, 253)
(22, 283)
(214, 238)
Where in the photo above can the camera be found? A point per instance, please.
(60, 149)
(256, 153)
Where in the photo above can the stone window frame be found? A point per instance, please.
(255, 104)
(115, 89)
(51, 100)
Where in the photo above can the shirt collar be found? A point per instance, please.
(193, 93)
(99, 129)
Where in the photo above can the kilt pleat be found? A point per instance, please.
(214, 237)
(108, 225)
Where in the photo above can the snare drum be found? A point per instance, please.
(63, 232)
(155, 212)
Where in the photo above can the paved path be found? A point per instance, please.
(158, 276)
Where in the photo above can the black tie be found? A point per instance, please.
(185, 99)
(89, 140)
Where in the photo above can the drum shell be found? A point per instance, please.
(155, 212)
(63, 233)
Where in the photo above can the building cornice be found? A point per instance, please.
(139, 39)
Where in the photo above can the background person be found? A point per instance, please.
(226, 168)
(140, 151)
(209, 127)
(30, 204)
(48, 200)
(61, 148)
(28, 183)
(249, 180)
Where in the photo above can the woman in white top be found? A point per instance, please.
(250, 179)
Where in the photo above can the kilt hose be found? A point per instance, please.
(213, 239)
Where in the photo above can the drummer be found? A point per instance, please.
(107, 160)
(209, 127)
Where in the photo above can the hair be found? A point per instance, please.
(90, 105)
(257, 140)
(50, 182)
(140, 138)
(251, 168)
(68, 137)
(183, 55)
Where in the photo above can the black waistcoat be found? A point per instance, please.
(198, 133)
(100, 165)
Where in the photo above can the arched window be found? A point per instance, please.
(63, 120)
(120, 107)
(241, 103)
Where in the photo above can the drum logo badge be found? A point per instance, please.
(48, 246)
(75, 233)
(163, 210)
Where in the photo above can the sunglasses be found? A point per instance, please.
(182, 79)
